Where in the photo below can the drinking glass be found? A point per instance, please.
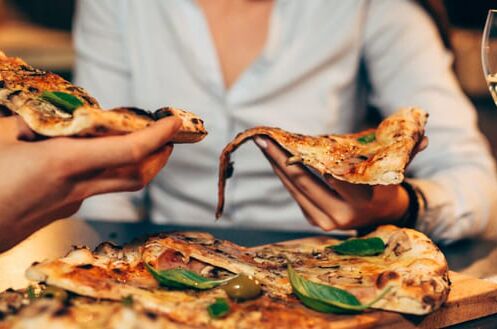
(489, 52)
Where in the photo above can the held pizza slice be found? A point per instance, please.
(51, 106)
(375, 157)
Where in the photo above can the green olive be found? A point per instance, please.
(55, 293)
(242, 287)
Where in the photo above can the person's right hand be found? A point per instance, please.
(41, 181)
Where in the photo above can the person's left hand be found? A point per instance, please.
(334, 204)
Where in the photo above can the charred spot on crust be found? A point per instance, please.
(384, 277)
(229, 170)
(85, 266)
(26, 68)
(12, 309)
(101, 129)
(31, 70)
(13, 94)
(152, 316)
(117, 270)
(61, 312)
(362, 157)
(2, 84)
(88, 99)
(33, 89)
(428, 300)
(197, 121)
(107, 244)
(162, 113)
(139, 111)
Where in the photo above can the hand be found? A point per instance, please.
(334, 204)
(45, 180)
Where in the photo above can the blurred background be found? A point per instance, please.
(39, 31)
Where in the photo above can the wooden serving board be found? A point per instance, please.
(469, 298)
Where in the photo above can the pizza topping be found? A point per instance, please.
(220, 308)
(366, 139)
(398, 244)
(327, 299)
(64, 101)
(128, 301)
(55, 293)
(32, 293)
(360, 247)
(242, 287)
(180, 278)
(385, 277)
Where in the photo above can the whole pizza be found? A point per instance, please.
(193, 280)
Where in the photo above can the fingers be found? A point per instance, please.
(310, 193)
(356, 194)
(24, 132)
(313, 214)
(83, 155)
(316, 190)
(128, 178)
(8, 129)
(422, 145)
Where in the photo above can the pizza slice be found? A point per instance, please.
(375, 156)
(51, 106)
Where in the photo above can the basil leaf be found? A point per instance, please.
(180, 278)
(64, 101)
(32, 293)
(128, 301)
(219, 308)
(366, 139)
(320, 306)
(360, 247)
(325, 298)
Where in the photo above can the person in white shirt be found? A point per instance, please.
(310, 67)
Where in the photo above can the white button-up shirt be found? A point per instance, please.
(323, 62)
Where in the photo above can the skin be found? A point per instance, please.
(334, 204)
(239, 30)
(48, 179)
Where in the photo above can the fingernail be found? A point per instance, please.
(260, 142)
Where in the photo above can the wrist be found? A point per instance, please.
(415, 206)
(395, 205)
